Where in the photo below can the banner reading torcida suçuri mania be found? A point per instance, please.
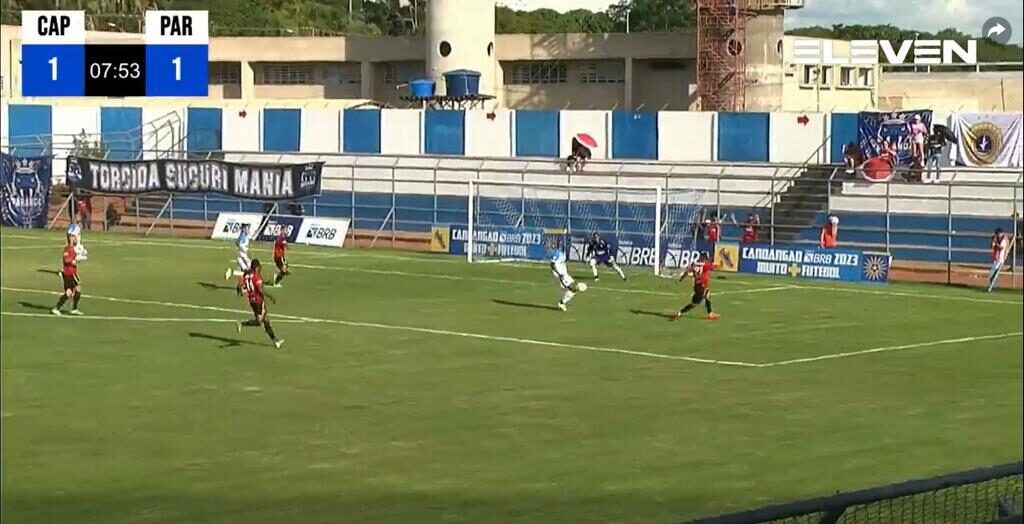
(249, 181)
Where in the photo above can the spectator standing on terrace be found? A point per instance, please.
(936, 147)
(918, 136)
(829, 233)
(750, 228)
(712, 230)
(83, 208)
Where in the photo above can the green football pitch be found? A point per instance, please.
(421, 389)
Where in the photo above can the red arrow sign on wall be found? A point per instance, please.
(803, 120)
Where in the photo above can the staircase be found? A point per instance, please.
(800, 204)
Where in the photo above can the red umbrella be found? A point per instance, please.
(586, 140)
(877, 169)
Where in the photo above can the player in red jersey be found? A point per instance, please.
(280, 246)
(701, 272)
(69, 275)
(252, 286)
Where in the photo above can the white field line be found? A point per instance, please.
(886, 349)
(13, 248)
(127, 319)
(414, 329)
(292, 318)
(515, 282)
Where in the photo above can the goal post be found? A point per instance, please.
(520, 221)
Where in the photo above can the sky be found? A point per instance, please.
(927, 15)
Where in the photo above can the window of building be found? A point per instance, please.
(847, 76)
(539, 73)
(400, 73)
(287, 74)
(826, 76)
(344, 74)
(225, 73)
(602, 73)
(866, 77)
(809, 75)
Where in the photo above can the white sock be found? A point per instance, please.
(593, 266)
(567, 296)
(237, 273)
(619, 271)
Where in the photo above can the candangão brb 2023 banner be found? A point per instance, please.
(249, 181)
(491, 241)
(844, 265)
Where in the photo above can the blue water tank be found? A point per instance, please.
(462, 82)
(422, 88)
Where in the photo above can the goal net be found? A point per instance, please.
(520, 221)
(681, 229)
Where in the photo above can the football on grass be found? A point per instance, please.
(581, 286)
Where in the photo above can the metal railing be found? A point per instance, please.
(397, 195)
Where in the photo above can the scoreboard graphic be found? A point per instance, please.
(172, 61)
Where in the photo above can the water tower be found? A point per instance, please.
(460, 35)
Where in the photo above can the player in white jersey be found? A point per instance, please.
(75, 230)
(242, 243)
(561, 273)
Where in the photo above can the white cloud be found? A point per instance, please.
(926, 15)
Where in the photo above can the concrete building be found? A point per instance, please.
(645, 71)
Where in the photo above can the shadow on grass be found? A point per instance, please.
(211, 286)
(659, 314)
(37, 307)
(226, 342)
(525, 305)
(48, 271)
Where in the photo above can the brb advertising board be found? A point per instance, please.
(314, 231)
(276, 224)
(329, 232)
(640, 252)
(843, 265)
(230, 224)
(498, 242)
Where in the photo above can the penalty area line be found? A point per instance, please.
(414, 329)
(886, 349)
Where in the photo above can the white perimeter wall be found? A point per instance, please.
(242, 133)
(69, 122)
(789, 141)
(487, 137)
(401, 131)
(320, 131)
(594, 123)
(687, 136)
(163, 128)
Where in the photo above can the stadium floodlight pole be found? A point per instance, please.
(469, 222)
(657, 230)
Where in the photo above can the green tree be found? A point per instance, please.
(653, 15)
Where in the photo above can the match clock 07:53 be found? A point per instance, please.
(115, 70)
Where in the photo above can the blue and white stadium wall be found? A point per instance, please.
(668, 135)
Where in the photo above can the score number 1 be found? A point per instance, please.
(53, 68)
(177, 68)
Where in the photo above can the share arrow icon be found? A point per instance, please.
(997, 29)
